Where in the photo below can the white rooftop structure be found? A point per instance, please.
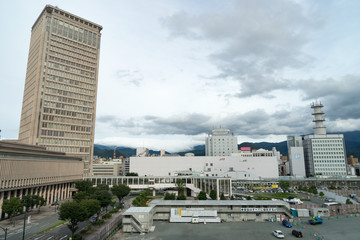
(220, 142)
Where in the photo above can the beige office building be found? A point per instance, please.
(59, 102)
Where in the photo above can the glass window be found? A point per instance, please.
(81, 34)
(94, 40)
(76, 29)
(71, 28)
(65, 32)
(55, 23)
(85, 36)
(90, 38)
(60, 27)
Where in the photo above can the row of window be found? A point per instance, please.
(70, 69)
(67, 107)
(71, 58)
(65, 127)
(74, 43)
(330, 161)
(72, 135)
(65, 87)
(68, 100)
(330, 157)
(66, 120)
(69, 94)
(60, 60)
(73, 32)
(71, 53)
(68, 149)
(67, 78)
(327, 140)
(58, 42)
(67, 113)
(64, 142)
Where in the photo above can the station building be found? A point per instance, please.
(28, 169)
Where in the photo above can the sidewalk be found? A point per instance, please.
(32, 216)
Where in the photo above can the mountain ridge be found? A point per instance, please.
(352, 144)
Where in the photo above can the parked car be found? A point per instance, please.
(316, 220)
(297, 234)
(286, 223)
(278, 234)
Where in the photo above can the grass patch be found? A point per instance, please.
(275, 195)
(62, 222)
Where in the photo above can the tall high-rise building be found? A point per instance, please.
(324, 153)
(221, 142)
(59, 102)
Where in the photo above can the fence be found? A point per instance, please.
(106, 229)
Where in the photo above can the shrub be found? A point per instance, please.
(108, 215)
(98, 222)
(348, 201)
(169, 196)
(77, 237)
(181, 197)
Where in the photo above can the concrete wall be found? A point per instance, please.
(224, 166)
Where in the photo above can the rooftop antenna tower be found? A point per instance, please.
(319, 128)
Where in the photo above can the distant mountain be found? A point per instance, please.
(352, 142)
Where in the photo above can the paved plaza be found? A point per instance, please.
(333, 228)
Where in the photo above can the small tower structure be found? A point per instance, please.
(319, 128)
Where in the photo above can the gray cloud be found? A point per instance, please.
(253, 123)
(340, 96)
(259, 38)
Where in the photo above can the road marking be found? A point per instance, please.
(50, 238)
(39, 237)
(63, 237)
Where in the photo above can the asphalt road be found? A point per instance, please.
(334, 228)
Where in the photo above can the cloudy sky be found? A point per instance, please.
(171, 71)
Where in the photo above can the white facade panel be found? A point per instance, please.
(237, 167)
(297, 162)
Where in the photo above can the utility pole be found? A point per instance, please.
(5, 230)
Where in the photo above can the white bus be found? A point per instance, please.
(327, 204)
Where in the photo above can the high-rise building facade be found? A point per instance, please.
(296, 156)
(59, 102)
(325, 154)
(221, 142)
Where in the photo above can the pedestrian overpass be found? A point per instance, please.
(196, 184)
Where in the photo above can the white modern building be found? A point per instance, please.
(325, 154)
(296, 156)
(220, 142)
(114, 168)
(247, 167)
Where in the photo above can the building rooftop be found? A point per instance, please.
(138, 210)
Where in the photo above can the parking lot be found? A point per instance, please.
(334, 228)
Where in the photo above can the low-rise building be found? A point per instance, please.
(258, 165)
(28, 169)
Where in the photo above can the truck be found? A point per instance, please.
(315, 220)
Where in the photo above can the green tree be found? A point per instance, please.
(100, 187)
(180, 184)
(29, 201)
(104, 197)
(222, 197)
(169, 196)
(213, 194)
(181, 197)
(120, 191)
(39, 201)
(92, 206)
(284, 184)
(321, 194)
(75, 212)
(12, 206)
(84, 186)
(202, 195)
(131, 174)
(79, 196)
(348, 201)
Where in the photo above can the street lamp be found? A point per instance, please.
(5, 230)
